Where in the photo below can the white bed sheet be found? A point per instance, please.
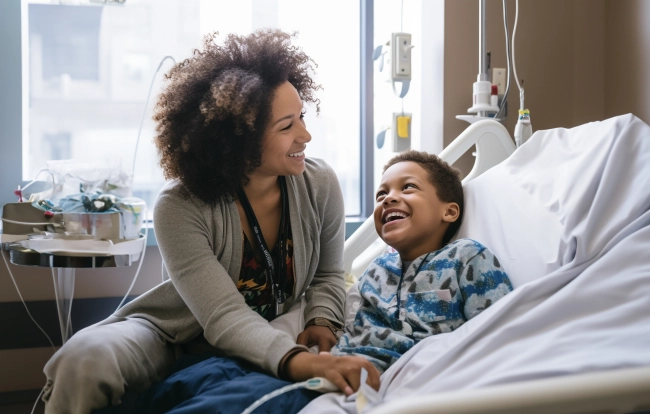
(583, 303)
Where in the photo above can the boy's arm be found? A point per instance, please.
(482, 282)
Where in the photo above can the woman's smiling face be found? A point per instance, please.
(286, 136)
(408, 214)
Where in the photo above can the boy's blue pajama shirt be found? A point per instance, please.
(453, 285)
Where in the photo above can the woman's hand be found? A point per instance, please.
(317, 335)
(344, 372)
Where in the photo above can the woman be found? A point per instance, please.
(246, 226)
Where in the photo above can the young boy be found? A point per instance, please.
(428, 286)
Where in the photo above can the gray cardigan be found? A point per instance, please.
(202, 247)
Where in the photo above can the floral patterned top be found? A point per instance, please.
(254, 284)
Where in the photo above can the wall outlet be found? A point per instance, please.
(499, 79)
(400, 46)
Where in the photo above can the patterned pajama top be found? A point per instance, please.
(438, 292)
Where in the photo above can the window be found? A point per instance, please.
(68, 40)
(90, 68)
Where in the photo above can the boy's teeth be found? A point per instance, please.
(297, 154)
(396, 214)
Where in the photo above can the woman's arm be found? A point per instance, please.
(326, 293)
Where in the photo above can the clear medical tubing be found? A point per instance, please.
(509, 70)
(144, 111)
(514, 65)
(274, 394)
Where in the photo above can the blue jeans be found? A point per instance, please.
(209, 384)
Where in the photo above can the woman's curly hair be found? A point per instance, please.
(215, 106)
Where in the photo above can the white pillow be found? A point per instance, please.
(529, 209)
(521, 233)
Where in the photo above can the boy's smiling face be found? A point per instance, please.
(408, 215)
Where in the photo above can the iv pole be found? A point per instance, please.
(482, 57)
(482, 88)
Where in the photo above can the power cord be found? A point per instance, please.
(523, 128)
(135, 154)
(315, 384)
(514, 65)
(69, 319)
(31, 317)
(504, 101)
(37, 400)
(23, 301)
(144, 111)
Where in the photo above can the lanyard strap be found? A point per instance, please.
(401, 279)
(278, 291)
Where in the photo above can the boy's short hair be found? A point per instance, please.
(445, 178)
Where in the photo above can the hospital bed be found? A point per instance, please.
(568, 216)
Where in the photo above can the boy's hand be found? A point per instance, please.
(317, 335)
(344, 372)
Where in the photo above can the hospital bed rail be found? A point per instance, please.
(610, 392)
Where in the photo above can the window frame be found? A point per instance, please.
(366, 108)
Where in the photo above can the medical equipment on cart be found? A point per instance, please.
(84, 231)
(65, 241)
